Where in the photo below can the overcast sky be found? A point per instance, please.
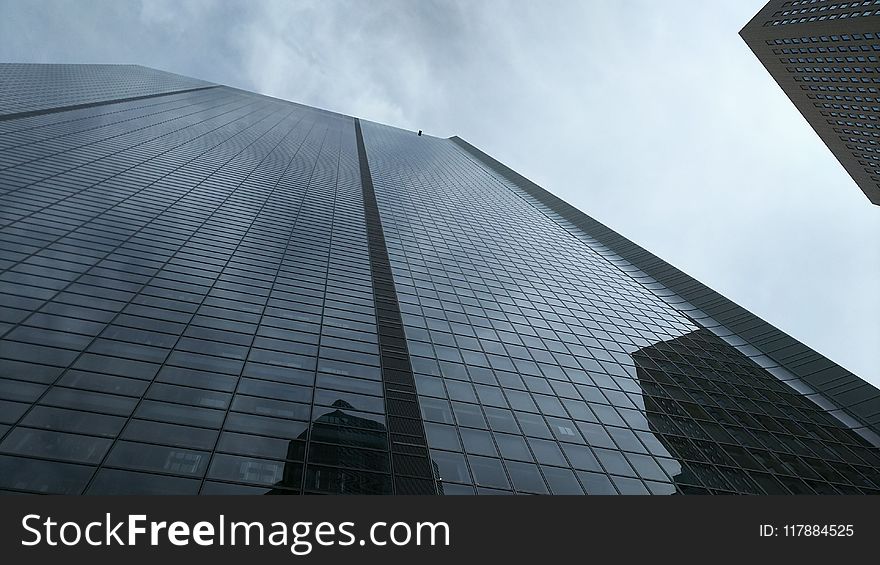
(652, 117)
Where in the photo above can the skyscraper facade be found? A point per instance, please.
(824, 55)
(206, 290)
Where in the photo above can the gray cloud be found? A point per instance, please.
(653, 117)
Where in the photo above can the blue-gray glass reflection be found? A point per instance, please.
(532, 352)
(205, 290)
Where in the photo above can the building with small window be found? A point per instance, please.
(825, 55)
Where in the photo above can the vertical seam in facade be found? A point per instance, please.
(411, 468)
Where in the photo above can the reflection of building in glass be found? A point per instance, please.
(204, 290)
(733, 427)
(348, 453)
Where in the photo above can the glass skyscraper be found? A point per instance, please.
(206, 290)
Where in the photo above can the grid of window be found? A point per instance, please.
(27, 87)
(834, 56)
(413, 473)
(542, 367)
(842, 61)
(213, 291)
(185, 301)
(810, 11)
